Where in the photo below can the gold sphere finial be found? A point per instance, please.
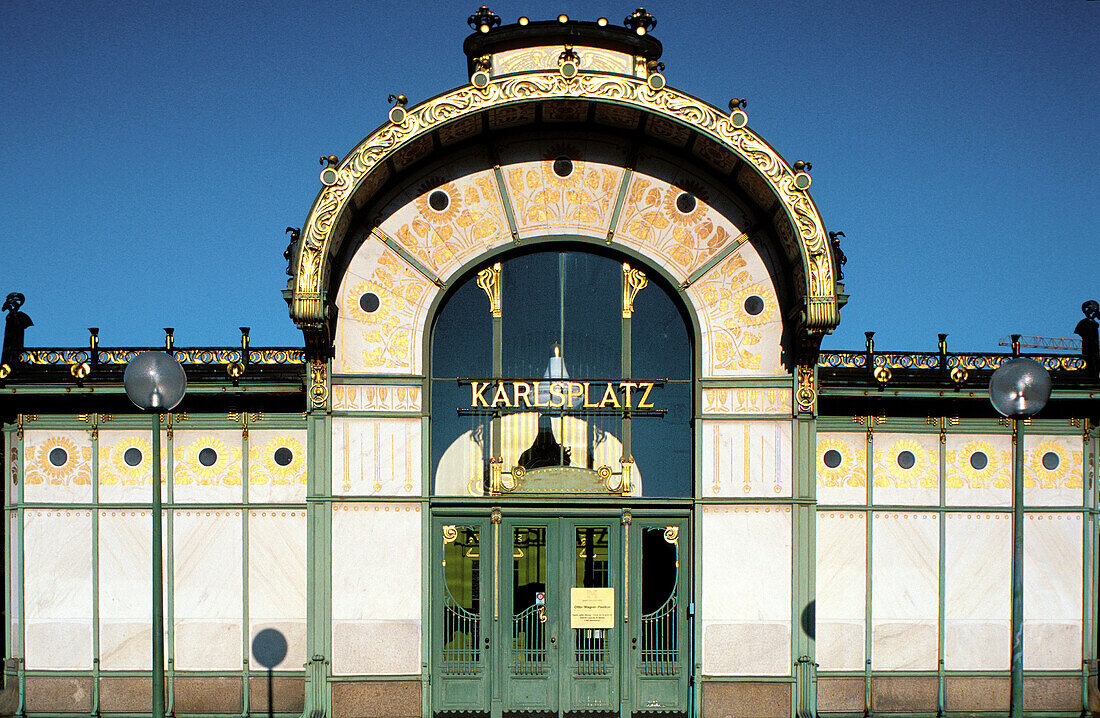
(563, 18)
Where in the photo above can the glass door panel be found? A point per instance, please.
(530, 666)
(461, 637)
(659, 636)
(593, 605)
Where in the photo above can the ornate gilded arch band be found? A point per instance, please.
(821, 312)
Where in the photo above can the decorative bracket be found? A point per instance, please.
(489, 280)
(634, 281)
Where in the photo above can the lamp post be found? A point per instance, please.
(1018, 389)
(155, 382)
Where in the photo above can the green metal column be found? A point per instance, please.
(803, 544)
(1016, 706)
(158, 579)
(318, 698)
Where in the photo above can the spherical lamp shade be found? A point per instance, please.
(1019, 388)
(155, 380)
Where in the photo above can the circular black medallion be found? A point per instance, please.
(832, 458)
(754, 305)
(906, 460)
(283, 456)
(563, 167)
(439, 200)
(685, 202)
(59, 456)
(132, 456)
(369, 302)
(1050, 461)
(208, 457)
(978, 460)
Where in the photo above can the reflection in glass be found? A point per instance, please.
(529, 601)
(592, 570)
(660, 566)
(461, 601)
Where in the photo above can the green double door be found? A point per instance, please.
(555, 615)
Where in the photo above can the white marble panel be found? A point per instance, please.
(376, 457)
(746, 598)
(905, 593)
(841, 589)
(376, 588)
(207, 466)
(977, 591)
(979, 470)
(208, 588)
(57, 574)
(277, 578)
(846, 482)
(119, 481)
(57, 465)
(900, 483)
(270, 481)
(125, 589)
(1053, 544)
(1053, 470)
(747, 458)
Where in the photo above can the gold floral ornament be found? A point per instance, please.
(848, 472)
(732, 295)
(58, 461)
(192, 469)
(995, 470)
(451, 220)
(674, 223)
(891, 468)
(280, 461)
(1053, 465)
(119, 467)
(388, 331)
(563, 192)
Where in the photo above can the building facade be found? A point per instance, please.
(560, 439)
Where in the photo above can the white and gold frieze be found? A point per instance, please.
(206, 466)
(376, 397)
(906, 469)
(747, 400)
(376, 457)
(841, 468)
(747, 458)
(277, 464)
(57, 465)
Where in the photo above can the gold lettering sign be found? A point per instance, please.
(561, 394)
(592, 607)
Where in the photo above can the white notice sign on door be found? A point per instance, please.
(592, 607)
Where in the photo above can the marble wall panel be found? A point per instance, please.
(906, 469)
(57, 465)
(747, 458)
(125, 589)
(845, 481)
(208, 589)
(1053, 543)
(746, 597)
(376, 594)
(206, 466)
(979, 470)
(841, 588)
(1053, 470)
(740, 317)
(277, 578)
(905, 595)
(376, 457)
(126, 466)
(388, 338)
(977, 591)
(57, 580)
(277, 464)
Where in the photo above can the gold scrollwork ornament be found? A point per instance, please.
(806, 396)
(489, 281)
(634, 281)
(450, 533)
(318, 384)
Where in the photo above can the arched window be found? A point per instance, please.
(581, 385)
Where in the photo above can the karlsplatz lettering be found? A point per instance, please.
(561, 394)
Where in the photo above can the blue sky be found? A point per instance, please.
(152, 154)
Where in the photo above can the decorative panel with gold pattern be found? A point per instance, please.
(747, 458)
(376, 457)
(207, 466)
(592, 59)
(126, 465)
(383, 307)
(375, 397)
(569, 189)
(979, 470)
(738, 309)
(57, 465)
(841, 468)
(906, 469)
(1053, 470)
(682, 232)
(446, 224)
(747, 400)
(277, 463)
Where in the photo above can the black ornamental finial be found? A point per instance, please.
(1087, 329)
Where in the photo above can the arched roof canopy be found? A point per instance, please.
(716, 139)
